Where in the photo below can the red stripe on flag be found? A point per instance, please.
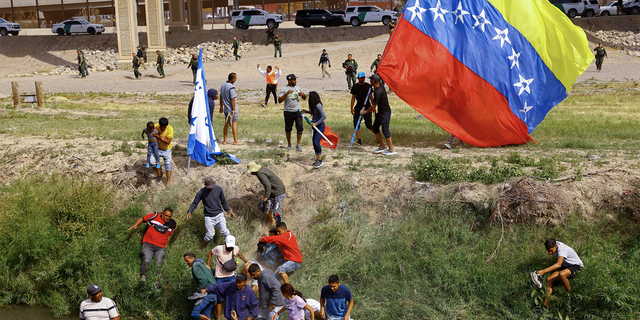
(331, 136)
(426, 76)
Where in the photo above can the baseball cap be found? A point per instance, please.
(361, 74)
(375, 77)
(230, 241)
(93, 289)
(208, 182)
(291, 76)
(253, 167)
(241, 277)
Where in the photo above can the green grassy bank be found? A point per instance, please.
(58, 234)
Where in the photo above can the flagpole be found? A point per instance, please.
(188, 165)
(359, 120)
(316, 128)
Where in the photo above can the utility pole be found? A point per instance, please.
(62, 5)
(88, 13)
(38, 13)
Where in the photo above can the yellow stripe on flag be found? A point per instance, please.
(561, 45)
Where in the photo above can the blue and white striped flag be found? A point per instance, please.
(202, 145)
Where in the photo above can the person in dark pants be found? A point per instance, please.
(359, 93)
(351, 67)
(291, 95)
(271, 299)
(318, 116)
(136, 64)
(82, 64)
(277, 46)
(160, 227)
(142, 56)
(203, 278)
(601, 53)
(193, 64)
(160, 63)
(238, 298)
(270, 35)
(383, 116)
(236, 46)
(619, 7)
(272, 83)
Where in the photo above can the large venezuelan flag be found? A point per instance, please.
(486, 71)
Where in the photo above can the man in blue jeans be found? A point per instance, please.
(203, 277)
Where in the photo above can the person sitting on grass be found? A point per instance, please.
(295, 304)
(152, 146)
(203, 277)
(566, 266)
(317, 120)
(288, 245)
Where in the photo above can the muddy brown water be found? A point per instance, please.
(31, 313)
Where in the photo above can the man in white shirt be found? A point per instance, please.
(98, 307)
(272, 83)
(566, 266)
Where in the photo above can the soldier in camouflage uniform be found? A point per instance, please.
(270, 35)
(601, 53)
(374, 67)
(277, 46)
(351, 66)
(82, 64)
(136, 64)
(236, 46)
(160, 62)
(193, 64)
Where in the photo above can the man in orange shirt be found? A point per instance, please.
(288, 245)
(272, 83)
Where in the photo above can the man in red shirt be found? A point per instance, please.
(288, 245)
(160, 227)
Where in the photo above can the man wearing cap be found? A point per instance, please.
(238, 297)
(82, 64)
(350, 68)
(359, 93)
(277, 46)
(271, 299)
(274, 190)
(324, 61)
(160, 227)
(203, 277)
(383, 116)
(160, 63)
(213, 199)
(291, 95)
(97, 306)
(223, 254)
(272, 83)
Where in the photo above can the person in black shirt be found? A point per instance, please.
(383, 116)
(359, 93)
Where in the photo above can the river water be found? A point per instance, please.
(30, 313)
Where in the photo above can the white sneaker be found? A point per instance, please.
(379, 150)
(448, 145)
(537, 279)
(389, 153)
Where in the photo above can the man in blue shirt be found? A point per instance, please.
(339, 301)
(238, 297)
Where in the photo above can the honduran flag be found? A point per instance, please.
(202, 145)
(486, 71)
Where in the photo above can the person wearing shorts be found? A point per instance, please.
(274, 190)
(214, 201)
(288, 245)
(164, 136)
(383, 116)
(291, 95)
(565, 268)
(229, 105)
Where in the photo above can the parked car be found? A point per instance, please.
(315, 17)
(77, 26)
(242, 19)
(7, 27)
(631, 7)
(591, 8)
(358, 15)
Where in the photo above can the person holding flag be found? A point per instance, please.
(383, 116)
(317, 120)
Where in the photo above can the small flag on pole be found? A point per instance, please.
(331, 136)
(202, 145)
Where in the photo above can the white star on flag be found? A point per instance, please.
(417, 10)
(459, 13)
(503, 35)
(523, 84)
(439, 12)
(514, 56)
(526, 109)
(478, 18)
